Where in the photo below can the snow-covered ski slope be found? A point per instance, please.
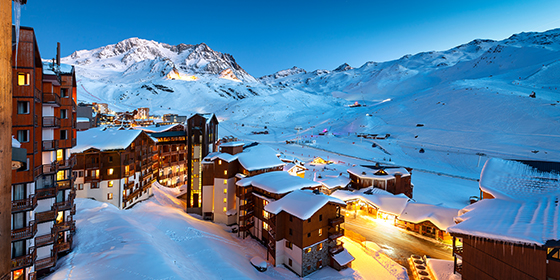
(456, 104)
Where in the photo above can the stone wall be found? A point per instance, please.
(310, 259)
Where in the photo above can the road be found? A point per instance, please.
(396, 243)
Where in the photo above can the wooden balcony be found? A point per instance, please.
(46, 262)
(64, 246)
(45, 239)
(336, 221)
(458, 251)
(246, 216)
(50, 168)
(25, 260)
(63, 185)
(337, 248)
(24, 233)
(64, 205)
(46, 192)
(130, 185)
(336, 234)
(64, 226)
(89, 179)
(26, 204)
(51, 98)
(69, 163)
(46, 216)
(73, 210)
(37, 171)
(50, 145)
(51, 121)
(247, 206)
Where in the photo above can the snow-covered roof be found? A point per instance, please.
(442, 217)
(224, 156)
(301, 203)
(82, 119)
(331, 183)
(259, 157)
(524, 222)
(15, 143)
(232, 144)
(278, 182)
(369, 173)
(105, 139)
(384, 201)
(343, 257)
(509, 179)
(156, 129)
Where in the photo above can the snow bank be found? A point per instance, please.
(301, 203)
(442, 269)
(15, 143)
(278, 182)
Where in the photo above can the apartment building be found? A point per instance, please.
(44, 119)
(115, 165)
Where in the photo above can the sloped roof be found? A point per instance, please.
(105, 139)
(370, 173)
(442, 217)
(157, 129)
(259, 157)
(331, 183)
(385, 201)
(278, 182)
(301, 203)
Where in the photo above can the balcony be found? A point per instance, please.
(24, 233)
(51, 98)
(50, 168)
(26, 204)
(337, 248)
(69, 163)
(63, 246)
(336, 221)
(64, 226)
(73, 210)
(46, 262)
(89, 179)
(25, 260)
(336, 234)
(63, 185)
(130, 185)
(146, 176)
(458, 251)
(64, 205)
(46, 192)
(46, 216)
(246, 206)
(50, 145)
(45, 239)
(51, 121)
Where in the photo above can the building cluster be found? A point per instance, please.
(42, 189)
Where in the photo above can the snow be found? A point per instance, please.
(384, 201)
(15, 143)
(232, 144)
(104, 139)
(369, 173)
(442, 269)
(331, 183)
(259, 262)
(278, 182)
(17, 22)
(223, 156)
(259, 157)
(509, 179)
(301, 203)
(156, 129)
(82, 119)
(442, 217)
(343, 257)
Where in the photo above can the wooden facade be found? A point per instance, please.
(43, 194)
(395, 184)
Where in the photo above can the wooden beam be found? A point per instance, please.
(5, 135)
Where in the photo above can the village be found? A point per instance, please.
(310, 210)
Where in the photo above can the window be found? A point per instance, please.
(110, 196)
(220, 162)
(266, 226)
(23, 107)
(23, 136)
(225, 191)
(63, 92)
(291, 220)
(290, 231)
(110, 171)
(225, 172)
(288, 244)
(23, 79)
(319, 264)
(553, 253)
(309, 234)
(110, 184)
(308, 250)
(94, 186)
(80, 187)
(18, 249)
(60, 175)
(110, 159)
(63, 113)
(97, 173)
(320, 218)
(290, 262)
(59, 155)
(320, 247)
(60, 217)
(225, 200)
(225, 183)
(320, 231)
(266, 215)
(18, 274)
(225, 209)
(309, 220)
(63, 134)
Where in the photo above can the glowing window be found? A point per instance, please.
(23, 79)
(225, 172)
(110, 171)
(110, 184)
(225, 209)
(59, 155)
(60, 175)
(225, 200)
(60, 217)
(110, 196)
(266, 215)
(220, 162)
(320, 231)
(225, 191)
(97, 173)
(307, 250)
(320, 247)
(225, 182)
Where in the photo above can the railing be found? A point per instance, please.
(25, 260)
(146, 176)
(46, 192)
(24, 204)
(64, 205)
(64, 226)
(130, 185)
(45, 239)
(37, 171)
(336, 221)
(246, 206)
(246, 216)
(458, 251)
(336, 234)
(46, 262)
(32, 276)
(51, 121)
(45, 216)
(24, 233)
(64, 245)
(63, 185)
(92, 179)
(338, 247)
(51, 98)
(50, 145)
(68, 163)
(50, 168)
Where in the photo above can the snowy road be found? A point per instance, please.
(396, 243)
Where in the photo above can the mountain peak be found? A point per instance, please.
(343, 67)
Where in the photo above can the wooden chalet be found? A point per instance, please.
(395, 180)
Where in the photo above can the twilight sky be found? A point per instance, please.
(266, 36)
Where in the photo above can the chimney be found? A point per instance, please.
(58, 53)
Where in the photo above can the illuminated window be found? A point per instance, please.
(220, 162)
(60, 217)
(126, 169)
(266, 215)
(288, 244)
(124, 193)
(225, 200)
(97, 173)
(225, 172)
(60, 175)
(18, 274)
(110, 184)
(320, 247)
(225, 182)
(267, 227)
(110, 196)
(59, 155)
(320, 231)
(225, 191)
(110, 171)
(308, 250)
(225, 209)
(23, 79)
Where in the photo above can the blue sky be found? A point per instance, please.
(267, 36)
